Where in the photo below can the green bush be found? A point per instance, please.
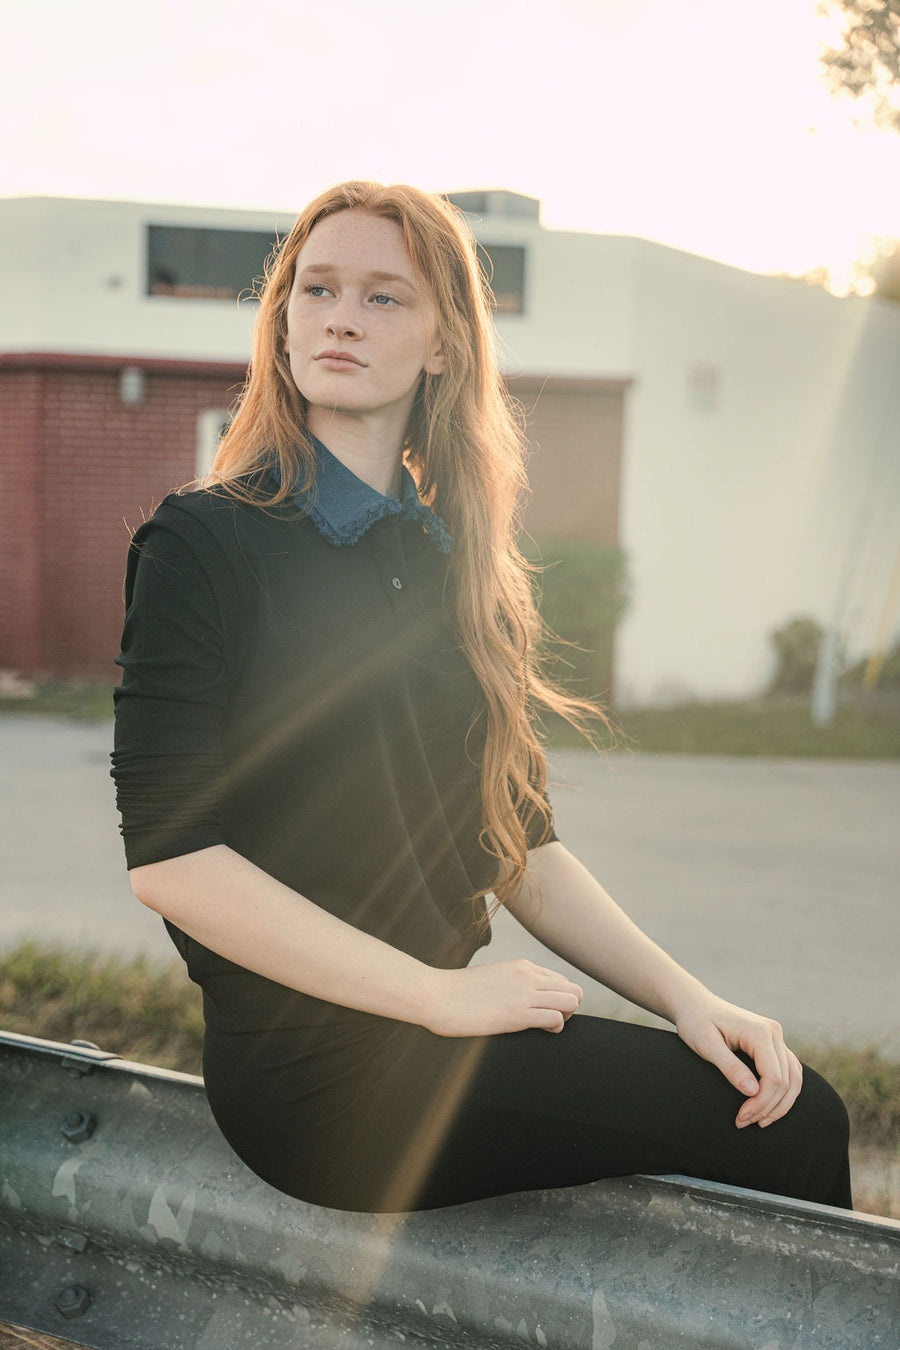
(797, 651)
(582, 592)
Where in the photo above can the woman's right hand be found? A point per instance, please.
(503, 996)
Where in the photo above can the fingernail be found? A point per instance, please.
(748, 1086)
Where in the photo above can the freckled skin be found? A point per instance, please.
(339, 303)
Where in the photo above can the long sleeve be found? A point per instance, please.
(168, 757)
(308, 706)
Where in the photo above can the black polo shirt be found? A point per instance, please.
(291, 689)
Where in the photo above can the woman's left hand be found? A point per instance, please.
(714, 1029)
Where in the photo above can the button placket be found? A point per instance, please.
(392, 564)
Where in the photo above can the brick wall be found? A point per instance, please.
(575, 431)
(85, 468)
(21, 407)
(80, 469)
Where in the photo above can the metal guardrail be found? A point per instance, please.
(127, 1222)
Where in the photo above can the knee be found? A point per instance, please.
(825, 1111)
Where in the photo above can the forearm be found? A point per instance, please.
(567, 909)
(233, 907)
(239, 911)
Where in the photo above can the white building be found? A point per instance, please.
(760, 466)
(760, 457)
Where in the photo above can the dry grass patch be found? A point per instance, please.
(131, 1008)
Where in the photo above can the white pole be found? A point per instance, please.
(824, 694)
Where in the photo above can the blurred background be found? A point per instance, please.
(691, 214)
(692, 236)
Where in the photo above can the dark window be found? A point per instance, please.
(201, 264)
(504, 267)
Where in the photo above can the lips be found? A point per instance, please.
(336, 360)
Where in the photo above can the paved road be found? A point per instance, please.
(775, 881)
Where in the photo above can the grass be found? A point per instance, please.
(869, 1084)
(81, 700)
(779, 725)
(132, 1008)
(870, 1087)
(152, 1014)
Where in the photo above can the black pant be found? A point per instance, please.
(394, 1118)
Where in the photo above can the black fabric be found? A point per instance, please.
(307, 705)
(406, 1120)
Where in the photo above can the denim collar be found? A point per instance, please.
(342, 507)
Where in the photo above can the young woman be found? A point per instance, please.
(326, 765)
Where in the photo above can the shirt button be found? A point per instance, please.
(397, 583)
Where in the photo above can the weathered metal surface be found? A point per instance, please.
(147, 1232)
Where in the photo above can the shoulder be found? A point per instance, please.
(185, 543)
(209, 521)
(211, 508)
(212, 537)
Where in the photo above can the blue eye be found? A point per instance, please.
(384, 300)
(316, 291)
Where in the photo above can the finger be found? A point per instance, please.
(785, 1102)
(784, 1063)
(773, 1083)
(795, 1074)
(760, 1108)
(549, 979)
(734, 1069)
(556, 998)
(771, 1059)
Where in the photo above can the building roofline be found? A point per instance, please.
(149, 204)
(568, 384)
(518, 384)
(104, 361)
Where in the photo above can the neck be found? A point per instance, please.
(374, 452)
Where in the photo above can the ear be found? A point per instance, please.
(436, 363)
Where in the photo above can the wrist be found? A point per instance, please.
(687, 998)
(427, 995)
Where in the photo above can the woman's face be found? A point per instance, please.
(361, 328)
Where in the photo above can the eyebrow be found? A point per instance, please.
(323, 269)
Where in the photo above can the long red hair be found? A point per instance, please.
(465, 447)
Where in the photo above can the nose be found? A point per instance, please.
(342, 323)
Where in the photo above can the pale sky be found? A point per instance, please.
(704, 124)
